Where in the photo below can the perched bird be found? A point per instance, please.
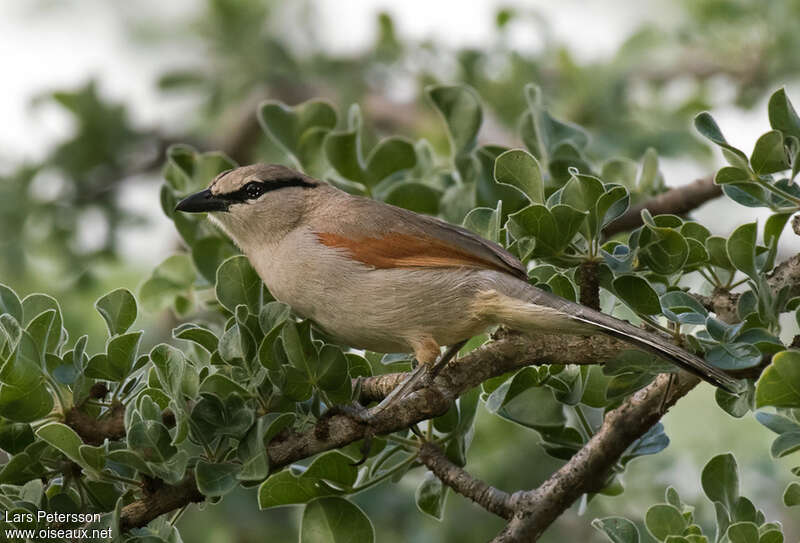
(386, 279)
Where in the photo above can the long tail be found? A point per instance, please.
(529, 309)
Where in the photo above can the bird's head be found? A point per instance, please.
(254, 204)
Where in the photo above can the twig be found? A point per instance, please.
(676, 201)
(588, 469)
(492, 499)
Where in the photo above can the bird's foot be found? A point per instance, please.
(420, 377)
(354, 411)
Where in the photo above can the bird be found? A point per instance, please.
(382, 278)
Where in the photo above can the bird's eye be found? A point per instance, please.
(254, 189)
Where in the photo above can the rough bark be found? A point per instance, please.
(490, 498)
(677, 201)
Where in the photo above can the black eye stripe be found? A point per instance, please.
(255, 189)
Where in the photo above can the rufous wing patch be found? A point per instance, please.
(405, 251)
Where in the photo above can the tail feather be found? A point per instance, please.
(534, 310)
(672, 353)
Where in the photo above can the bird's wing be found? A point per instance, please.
(384, 236)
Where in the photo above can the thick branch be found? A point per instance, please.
(94, 431)
(509, 351)
(488, 497)
(676, 201)
(588, 469)
(724, 303)
(160, 501)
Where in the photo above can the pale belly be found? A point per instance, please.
(382, 310)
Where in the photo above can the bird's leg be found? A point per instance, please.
(449, 354)
(664, 399)
(430, 365)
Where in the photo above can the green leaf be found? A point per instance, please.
(272, 315)
(42, 329)
(617, 529)
(9, 303)
(785, 443)
(562, 286)
(729, 174)
(335, 520)
(637, 293)
(390, 156)
(209, 252)
(777, 423)
(217, 479)
(197, 334)
(521, 170)
(331, 368)
(734, 356)
(611, 205)
(664, 250)
(743, 532)
(582, 192)
(151, 440)
(173, 277)
(718, 253)
(791, 496)
(333, 466)
(678, 306)
(343, 151)
(720, 480)
(252, 453)
(663, 520)
(221, 386)
(621, 171)
(170, 365)
(542, 133)
(650, 178)
(299, 130)
(782, 115)
(63, 438)
(707, 126)
(414, 196)
(34, 305)
(117, 363)
(460, 108)
(24, 368)
(118, 309)
(485, 221)
(741, 248)
(238, 283)
(15, 436)
(553, 229)
(25, 404)
(285, 488)
(188, 171)
(779, 385)
(769, 155)
(431, 495)
(213, 417)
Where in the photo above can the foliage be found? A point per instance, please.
(242, 369)
(737, 519)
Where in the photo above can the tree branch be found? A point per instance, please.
(676, 201)
(534, 510)
(488, 497)
(723, 302)
(159, 501)
(94, 431)
(588, 469)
